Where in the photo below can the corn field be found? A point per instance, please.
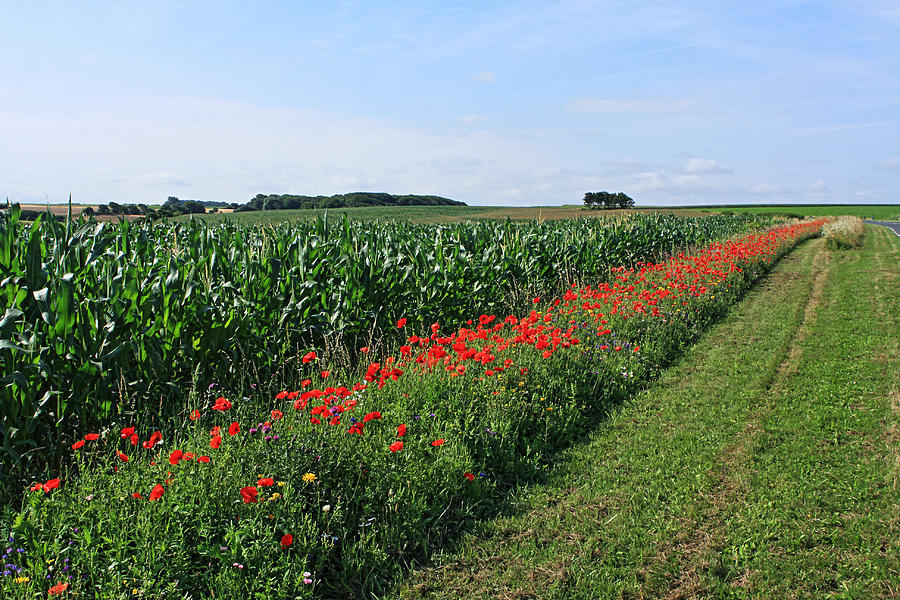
(102, 319)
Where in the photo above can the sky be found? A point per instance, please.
(491, 103)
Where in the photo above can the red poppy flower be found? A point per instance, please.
(215, 442)
(469, 476)
(195, 414)
(187, 456)
(156, 493)
(234, 428)
(92, 436)
(137, 496)
(277, 414)
(371, 416)
(405, 350)
(356, 428)
(536, 300)
(325, 374)
(265, 482)
(315, 421)
(135, 440)
(221, 404)
(249, 494)
(52, 484)
(364, 349)
(175, 457)
(155, 438)
(401, 323)
(401, 430)
(126, 432)
(396, 446)
(439, 442)
(287, 540)
(203, 459)
(309, 357)
(77, 444)
(123, 457)
(59, 588)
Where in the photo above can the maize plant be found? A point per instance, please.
(101, 319)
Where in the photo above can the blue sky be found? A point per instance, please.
(520, 103)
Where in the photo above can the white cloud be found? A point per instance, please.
(818, 186)
(163, 178)
(484, 77)
(702, 166)
(891, 164)
(762, 188)
(471, 119)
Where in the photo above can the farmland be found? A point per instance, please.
(883, 212)
(106, 320)
(333, 459)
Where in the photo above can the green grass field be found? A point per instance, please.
(449, 214)
(764, 464)
(432, 214)
(882, 212)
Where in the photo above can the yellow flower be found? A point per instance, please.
(309, 477)
(22, 579)
(280, 484)
(275, 496)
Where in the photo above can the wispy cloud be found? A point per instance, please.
(702, 166)
(891, 164)
(847, 127)
(622, 105)
(471, 119)
(163, 179)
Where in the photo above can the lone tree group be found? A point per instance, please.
(607, 200)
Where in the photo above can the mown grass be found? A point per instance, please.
(764, 464)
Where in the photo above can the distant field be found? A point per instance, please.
(449, 214)
(884, 212)
(436, 214)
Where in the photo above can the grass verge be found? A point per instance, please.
(763, 464)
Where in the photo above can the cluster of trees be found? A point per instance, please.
(290, 201)
(172, 208)
(607, 200)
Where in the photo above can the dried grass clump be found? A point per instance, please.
(843, 233)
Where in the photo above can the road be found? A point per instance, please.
(892, 225)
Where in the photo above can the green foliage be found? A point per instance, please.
(356, 510)
(354, 199)
(607, 200)
(102, 319)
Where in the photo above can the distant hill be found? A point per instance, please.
(353, 199)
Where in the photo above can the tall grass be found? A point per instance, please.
(843, 233)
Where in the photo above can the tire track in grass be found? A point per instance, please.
(617, 511)
(732, 476)
(820, 519)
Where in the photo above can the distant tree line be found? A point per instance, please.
(172, 208)
(607, 200)
(353, 199)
